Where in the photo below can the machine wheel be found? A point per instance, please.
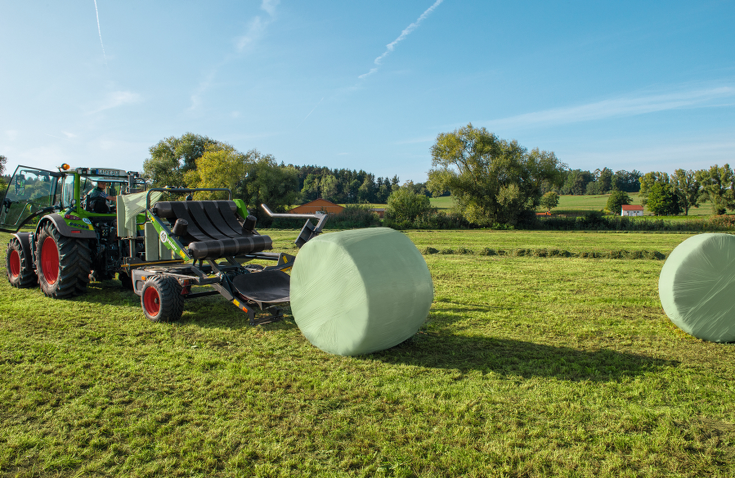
(62, 263)
(19, 273)
(161, 299)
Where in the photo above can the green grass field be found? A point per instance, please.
(569, 204)
(527, 367)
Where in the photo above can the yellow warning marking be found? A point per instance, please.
(236, 302)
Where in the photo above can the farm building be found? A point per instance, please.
(631, 210)
(380, 211)
(317, 205)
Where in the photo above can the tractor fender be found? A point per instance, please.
(25, 243)
(64, 229)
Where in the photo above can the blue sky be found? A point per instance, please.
(369, 85)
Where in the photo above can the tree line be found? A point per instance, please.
(493, 181)
(667, 195)
(600, 181)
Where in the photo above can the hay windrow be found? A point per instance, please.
(549, 253)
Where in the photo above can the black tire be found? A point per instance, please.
(127, 281)
(20, 274)
(62, 263)
(161, 299)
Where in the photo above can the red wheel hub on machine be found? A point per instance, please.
(14, 263)
(152, 301)
(50, 261)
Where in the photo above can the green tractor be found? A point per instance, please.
(160, 249)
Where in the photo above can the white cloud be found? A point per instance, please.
(620, 107)
(257, 26)
(406, 31)
(255, 30)
(12, 134)
(118, 98)
(196, 97)
(69, 135)
(270, 6)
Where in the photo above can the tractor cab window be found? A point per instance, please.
(30, 191)
(67, 191)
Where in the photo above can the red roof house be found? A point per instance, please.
(317, 205)
(631, 210)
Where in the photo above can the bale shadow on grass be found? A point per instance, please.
(518, 358)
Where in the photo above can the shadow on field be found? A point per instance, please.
(518, 358)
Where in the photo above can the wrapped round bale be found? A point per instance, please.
(360, 291)
(697, 287)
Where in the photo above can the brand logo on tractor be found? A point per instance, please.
(86, 219)
(164, 237)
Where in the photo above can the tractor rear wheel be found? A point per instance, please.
(161, 299)
(62, 263)
(20, 274)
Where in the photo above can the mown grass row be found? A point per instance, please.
(614, 254)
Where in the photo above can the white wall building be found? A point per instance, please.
(630, 210)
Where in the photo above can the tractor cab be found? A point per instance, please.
(34, 192)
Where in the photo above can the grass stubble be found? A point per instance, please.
(525, 367)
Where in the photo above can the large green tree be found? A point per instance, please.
(404, 204)
(717, 185)
(605, 180)
(616, 200)
(492, 180)
(172, 157)
(687, 188)
(268, 183)
(221, 166)
(648, 180)
(662, 200)
(576, 182)
(550, 200)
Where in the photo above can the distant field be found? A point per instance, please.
(444, 202)
(569, 204)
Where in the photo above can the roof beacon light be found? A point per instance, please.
(65, 167)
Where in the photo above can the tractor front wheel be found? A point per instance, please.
(20, 274)
(161, 299)
(62, 263)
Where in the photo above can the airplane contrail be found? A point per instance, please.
(406, 31)
(100, 31)
(310, 112)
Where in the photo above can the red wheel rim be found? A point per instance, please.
(50, 261)
(14, 263)
(152, 301)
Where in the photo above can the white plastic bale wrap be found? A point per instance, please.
(360, 291)
(697, 287)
